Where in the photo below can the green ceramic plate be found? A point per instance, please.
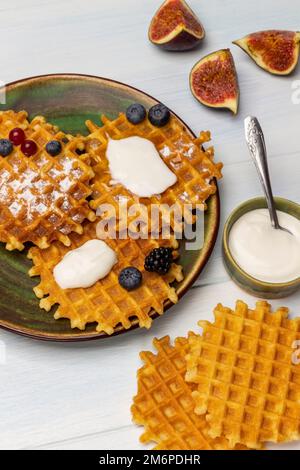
(68, 100)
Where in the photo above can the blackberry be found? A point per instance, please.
(159, 260)
(130, 278)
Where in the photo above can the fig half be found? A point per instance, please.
(275, 51)
(175, 27)
(213, 81)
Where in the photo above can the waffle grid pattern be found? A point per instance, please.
(193, 166)
(42, 198)
(164, 403)
(246, 381)
(106, 302)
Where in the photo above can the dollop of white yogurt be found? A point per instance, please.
(265, 253)
(85, 265)
(136, 164)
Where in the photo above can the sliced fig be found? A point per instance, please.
(213, 81)
(275, 51)
(175, 27)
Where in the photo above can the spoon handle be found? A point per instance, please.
(257, 148)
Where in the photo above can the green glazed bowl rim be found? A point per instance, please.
(226, 250)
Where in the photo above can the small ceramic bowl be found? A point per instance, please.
(251, 285)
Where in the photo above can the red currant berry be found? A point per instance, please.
(17, 136)
(28, 147)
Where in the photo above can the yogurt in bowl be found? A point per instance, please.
(260, 259)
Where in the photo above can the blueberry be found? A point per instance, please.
(159, 115)
(130, 278)
(6, 147)
(53, 147)
(135, 113)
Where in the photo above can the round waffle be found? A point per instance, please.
(42, 198)
(186, 158)
(106, 302)
(247, 381)
(164, 404)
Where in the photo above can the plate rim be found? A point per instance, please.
(193, 275)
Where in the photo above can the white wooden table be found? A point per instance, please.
(58, 396)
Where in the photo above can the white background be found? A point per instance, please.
(57, 396)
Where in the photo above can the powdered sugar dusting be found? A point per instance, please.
(65, 184)
(165, 151)
(27, 189)
(15, 208)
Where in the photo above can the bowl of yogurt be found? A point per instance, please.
(260, 259)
